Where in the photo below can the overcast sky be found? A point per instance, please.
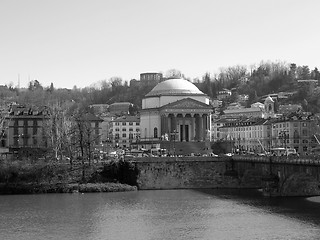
(79, 42)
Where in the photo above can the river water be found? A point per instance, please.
(158, 215)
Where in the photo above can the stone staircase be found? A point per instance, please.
(185, 148)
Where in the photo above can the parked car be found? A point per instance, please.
(261, 154)
(228, 154)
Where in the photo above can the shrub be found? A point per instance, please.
(122, 171)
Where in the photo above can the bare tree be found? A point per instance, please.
(173, 73)
(84, 138)
(58, 129)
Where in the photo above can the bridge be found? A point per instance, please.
(304, 160)
(276, 176)
(279, 176)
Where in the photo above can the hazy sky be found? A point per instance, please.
(79, 42)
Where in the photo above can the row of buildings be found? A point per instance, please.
(177, 111)
(177, 116)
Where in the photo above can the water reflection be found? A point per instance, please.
(172, 214)
(304, 209)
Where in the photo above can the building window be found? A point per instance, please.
(124, 123)
(130, 136)
(130, 123)
(15, 128)
(35, 130)
(124, 129)
(117, 136)
(137, 124)
(155, 132)
(130, 129)
(124, 135)
(117, 129)
(117, 123)
(16, 141)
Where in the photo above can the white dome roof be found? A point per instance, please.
(175, 87)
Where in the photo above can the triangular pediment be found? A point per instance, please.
(186, 103)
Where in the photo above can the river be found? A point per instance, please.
(158, 215)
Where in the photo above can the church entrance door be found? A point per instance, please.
(187, 133)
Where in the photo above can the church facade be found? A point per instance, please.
(175, 110)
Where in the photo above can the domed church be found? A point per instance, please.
(176, 111)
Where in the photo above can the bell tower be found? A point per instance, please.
(269, 107)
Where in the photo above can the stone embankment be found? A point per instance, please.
(290, 177)
(186, 172)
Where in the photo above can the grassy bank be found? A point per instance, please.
(32, 188)
(24, 178)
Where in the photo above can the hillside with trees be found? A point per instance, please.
(255, 81)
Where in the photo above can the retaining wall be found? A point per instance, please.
(186, 172)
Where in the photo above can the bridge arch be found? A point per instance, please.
(299, 184)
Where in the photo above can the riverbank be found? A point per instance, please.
(21, 177)
(31, 188)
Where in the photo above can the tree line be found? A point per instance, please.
(255, 81)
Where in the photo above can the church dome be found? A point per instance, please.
(174, 87)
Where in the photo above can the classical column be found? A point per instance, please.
(197, 127)
(210, 126)
(169, 120)
(165, 123)
(201, 127)
(173, 124)
(183, 127)
(192, 126)
(204, 118)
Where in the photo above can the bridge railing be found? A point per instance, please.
(304, 160)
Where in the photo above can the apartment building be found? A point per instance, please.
(250, 134)
(150, 78)
(124, 131)
(225, 93)
(296, 131)
(23, 129)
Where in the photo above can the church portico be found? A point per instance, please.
(185, 127)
